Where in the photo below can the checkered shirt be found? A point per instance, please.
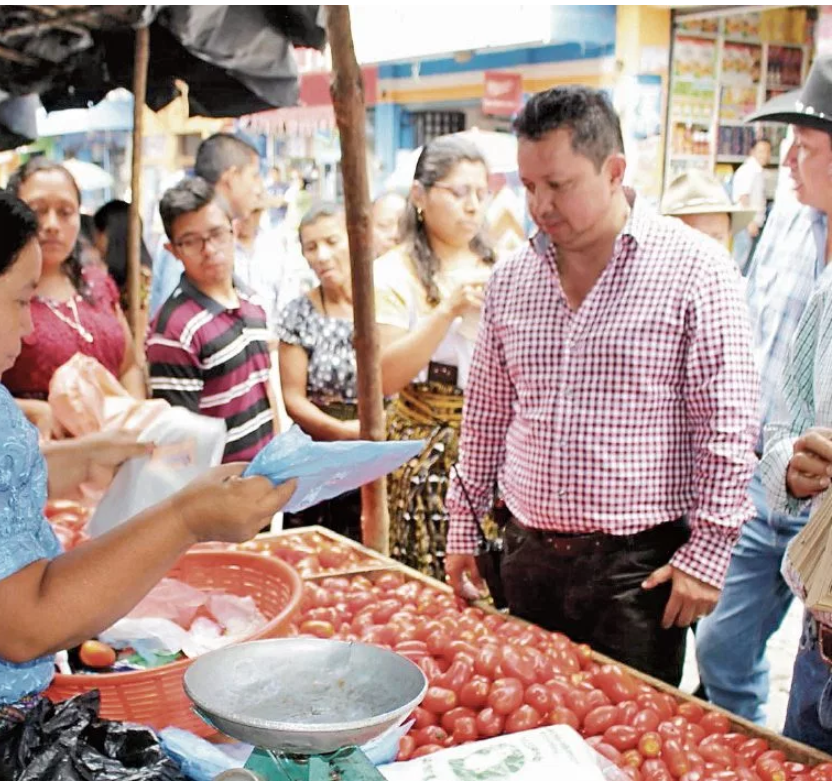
(636, 409)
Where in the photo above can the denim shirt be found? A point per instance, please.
(25, 534)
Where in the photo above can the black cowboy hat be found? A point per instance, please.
(809, 107)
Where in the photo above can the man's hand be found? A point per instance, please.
(690, 598)
(810, 467)
(753, 230)
(463, 576)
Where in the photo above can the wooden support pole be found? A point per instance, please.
(134, 229)
(347, 91)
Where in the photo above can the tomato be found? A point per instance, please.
(426, 749)
(793, 769)
(407, 744)
(389, 582)
(455, 678)
(622, 737)
(565, 660)
(490, 723)
(653, 768)
(439, 700)
(560, 715)
(674, 757)
(602, 748)
(518, 666)
(714, 722)
(717, 752)
(691, 711)
(423, 718)
(539, 697)
(432, 734)
(750, 750)
(525, 717)
(449, 718)
(474, 693)
(646, 721)
(318, 628)
(308, 566)
(632, 757)
(438, 643)
(652, 701)
(728, 776)
(385, 610)
(627, 711)
(506, 695)
(822, 771)
(457, 648)
(412, 645)
(669, 730)
(770, 767)
(429, 667)
(487, 661)
(650, 745)
(95, 654)
(599, 720)
(695, 734)
(409, 591)
(465, 730)
(616, 683)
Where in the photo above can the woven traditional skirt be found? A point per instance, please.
(416, 491)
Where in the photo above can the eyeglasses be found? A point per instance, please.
(463, 192)
(195, 245)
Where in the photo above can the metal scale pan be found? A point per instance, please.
(304, 696)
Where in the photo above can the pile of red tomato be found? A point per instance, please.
(68, 521)
(490, 675)
(310, 553)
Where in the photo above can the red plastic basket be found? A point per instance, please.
(156, 697)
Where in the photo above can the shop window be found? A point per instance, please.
(427, 125)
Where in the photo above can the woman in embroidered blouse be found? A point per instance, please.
(75, 309)
(429, 291)
(51, 601)
(317, 357)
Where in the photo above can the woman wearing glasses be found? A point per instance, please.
(429, 291)
(75, 308)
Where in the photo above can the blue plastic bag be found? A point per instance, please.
(327, 469)
(197, 758)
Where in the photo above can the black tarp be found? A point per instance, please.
(235, 59)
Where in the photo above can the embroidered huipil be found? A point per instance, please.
(638, 408)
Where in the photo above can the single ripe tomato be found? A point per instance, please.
(489, 723)
(602, 748)
(714, 722)
(539, 697)
(646, 721)
(432, 734)
(617, 684)
(601, 718)
(632, 757)
(488, 661)
(560, 715)
(423, 718)
(426, 749)
(716, 751)
(506, 695)
(317, 627)
(439, 700)
(622, 737)
(691, 711)
(449, 718)
(627, 711)
(675, 758)
(465, 730)
(770, 768)
(654, 768)
(474, 693)
(95, 654)
(650, 745)
(518, 665)
(524, 717)
(821, 771)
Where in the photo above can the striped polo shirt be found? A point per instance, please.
(214, 361)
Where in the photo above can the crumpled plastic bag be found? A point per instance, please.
(327, 469)
(170, 599)
(198, 758)
(68, 741)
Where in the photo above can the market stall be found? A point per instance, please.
(490, 675)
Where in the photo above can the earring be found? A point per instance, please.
(419, 214)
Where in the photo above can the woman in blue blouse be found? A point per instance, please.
(49, 600)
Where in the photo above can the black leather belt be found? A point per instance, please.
(568, 544)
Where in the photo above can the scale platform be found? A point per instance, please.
(347, 764)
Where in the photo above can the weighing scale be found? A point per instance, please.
(306, 704)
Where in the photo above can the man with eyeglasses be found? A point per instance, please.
(208, 349)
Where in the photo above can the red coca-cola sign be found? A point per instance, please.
(503, 94)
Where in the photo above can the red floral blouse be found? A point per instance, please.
(53, 342)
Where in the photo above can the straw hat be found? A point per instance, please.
(696, 192)
(810, 107)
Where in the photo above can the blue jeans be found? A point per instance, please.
(809, 715)
(731, 642)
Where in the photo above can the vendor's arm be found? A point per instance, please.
(489, 397)
(722, 395)
(294, 364)
(39, 413)
(797, 463)
(71, 462)
(51, 605)
(175, 371)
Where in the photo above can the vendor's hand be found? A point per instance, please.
(690, 598)
(113, 448)
(40, 414)
(810, 468)
(753, 230)
(221, 505)
(464, 577)
(464, 298)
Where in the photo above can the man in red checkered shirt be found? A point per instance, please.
(613, 398)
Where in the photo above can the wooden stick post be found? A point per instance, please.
(134, 230)
(347, 91)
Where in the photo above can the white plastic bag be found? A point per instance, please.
(186, 446)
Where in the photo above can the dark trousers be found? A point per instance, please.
(341, 514)
(589, 588)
